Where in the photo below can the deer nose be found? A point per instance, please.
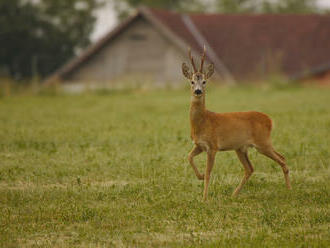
(198, 92)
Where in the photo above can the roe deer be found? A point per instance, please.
(212, 132)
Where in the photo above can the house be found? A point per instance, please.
(152, 45)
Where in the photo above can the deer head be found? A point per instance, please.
(197, 78)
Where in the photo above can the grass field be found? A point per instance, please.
(109, 169)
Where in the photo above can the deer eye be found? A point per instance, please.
(192, 82)
(204, 82)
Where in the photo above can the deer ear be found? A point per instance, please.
(210, 71)
(186, 71)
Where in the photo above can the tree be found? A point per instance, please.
(267, 6)
(236, 6)
(36, 38)
(125, 7)
(291, 6)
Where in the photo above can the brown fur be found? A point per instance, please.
(212, 132)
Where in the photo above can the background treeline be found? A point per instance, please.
(124, 7)
(38, 36)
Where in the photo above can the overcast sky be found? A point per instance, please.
(106, 19)
(324, 3)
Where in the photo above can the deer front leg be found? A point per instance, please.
(209, 166)
(194, 152)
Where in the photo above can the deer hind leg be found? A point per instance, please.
(248, 169)
(194, 152)
(277, 157)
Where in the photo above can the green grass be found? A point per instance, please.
(109, 169)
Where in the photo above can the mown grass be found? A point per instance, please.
(109, 169)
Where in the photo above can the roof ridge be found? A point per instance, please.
(167, 31)
(209, 52)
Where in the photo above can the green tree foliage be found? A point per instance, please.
(267, 6)
(235, 6)
(125, 7)
(36, 37)
(291, 6)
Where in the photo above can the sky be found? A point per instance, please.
(106, 19)
(324, 3)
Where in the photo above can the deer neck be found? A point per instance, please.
(197, 113)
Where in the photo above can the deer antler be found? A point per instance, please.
(192, 60)
(202, 59)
